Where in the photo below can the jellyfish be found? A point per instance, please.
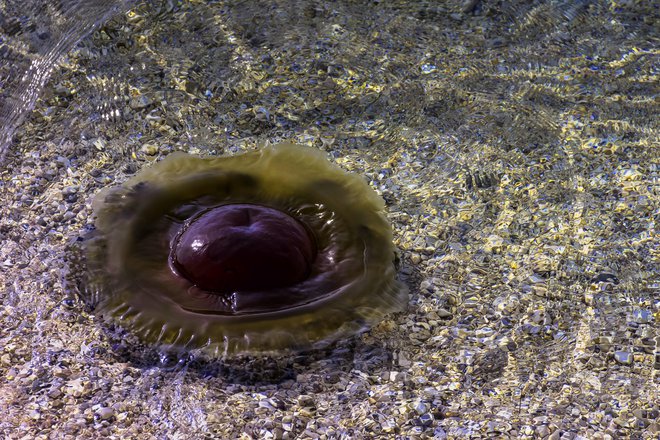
(268, 251)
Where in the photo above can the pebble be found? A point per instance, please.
(140, 102)
(105, 413)
(75, 387)
(54, 393)
(444, 313)
(623, 357)
(305, 400)
(149, 149)
(468, 6)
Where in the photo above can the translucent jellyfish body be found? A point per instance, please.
(268, 251)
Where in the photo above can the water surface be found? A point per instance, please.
(515, 144)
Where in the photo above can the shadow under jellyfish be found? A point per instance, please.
(272, 250)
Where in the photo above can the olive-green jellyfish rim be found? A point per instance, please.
(279, 176)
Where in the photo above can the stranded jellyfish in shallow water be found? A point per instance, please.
(271, 250)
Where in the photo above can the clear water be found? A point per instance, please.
(34, 36)
(515, 144)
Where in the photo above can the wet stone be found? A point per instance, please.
(149, 149)
(623, 357)
(105, 413)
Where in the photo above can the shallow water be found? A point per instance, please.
(515, 146)
(33, 38)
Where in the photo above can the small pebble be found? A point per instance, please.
(105, 413)
(623, 357)
(149, 149)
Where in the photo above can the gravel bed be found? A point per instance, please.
(515, 145)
